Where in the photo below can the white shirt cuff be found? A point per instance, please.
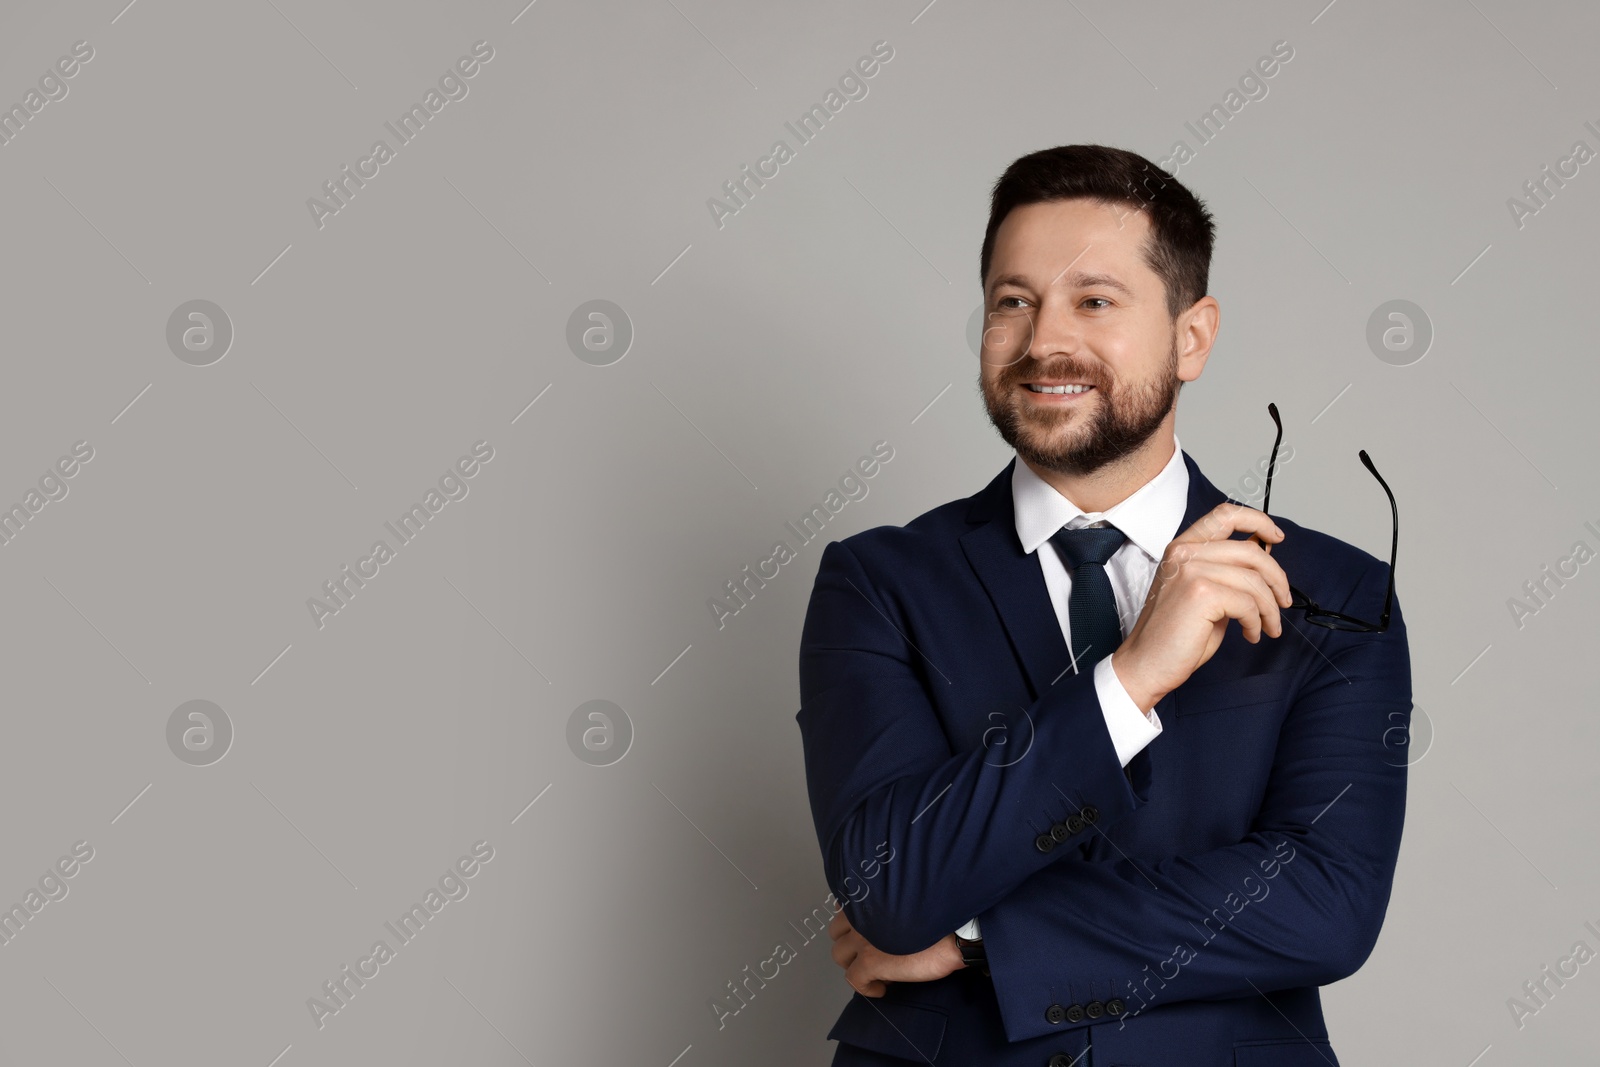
(969, 930)
(1129, 727)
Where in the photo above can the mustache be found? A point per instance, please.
(1033, 369)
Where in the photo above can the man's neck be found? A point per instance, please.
(1115, 482)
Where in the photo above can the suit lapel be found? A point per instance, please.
(1015, 583)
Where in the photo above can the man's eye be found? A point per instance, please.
(1003, 300)
(1101, 299)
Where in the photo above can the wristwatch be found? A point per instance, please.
(972, 953)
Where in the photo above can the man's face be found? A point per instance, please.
(1070, 301)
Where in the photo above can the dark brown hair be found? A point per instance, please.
(1181, 229)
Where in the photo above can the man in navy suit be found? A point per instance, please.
(1073, 817)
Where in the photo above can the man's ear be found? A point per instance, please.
(1195, 331)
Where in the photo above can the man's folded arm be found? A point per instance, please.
(917, 838)
(1298, 902)
(1130, 729)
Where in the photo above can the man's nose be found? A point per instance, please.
(1055, 332)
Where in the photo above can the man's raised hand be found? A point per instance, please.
(1205, 578)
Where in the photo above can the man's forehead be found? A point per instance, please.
(1076, 242)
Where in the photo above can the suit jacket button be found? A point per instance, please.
(1094, 1009)
(1061, 1059)
(1060, 831)
(1055, 1013)
(1044, 842)
(1075, 1013)
(1115, 1006)
(1090, 813)
(1074, 823)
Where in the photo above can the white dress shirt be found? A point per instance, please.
(1150, 517)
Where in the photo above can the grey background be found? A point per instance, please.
(767, 356)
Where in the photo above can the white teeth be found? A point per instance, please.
(1060, 388)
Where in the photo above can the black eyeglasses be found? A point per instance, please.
(1317, 616)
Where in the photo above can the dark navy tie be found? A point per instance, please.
(1091, 607)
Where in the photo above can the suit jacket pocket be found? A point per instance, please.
(1301, 1052)
(1217, 694)
(892, 1027)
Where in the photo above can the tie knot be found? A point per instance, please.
(1088, 544)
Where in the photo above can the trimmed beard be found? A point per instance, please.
(1120, 424)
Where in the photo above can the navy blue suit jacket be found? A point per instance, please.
(1183, 911)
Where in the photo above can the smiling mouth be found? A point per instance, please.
(1058, 390)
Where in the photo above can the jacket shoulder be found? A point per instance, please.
(1327, 568)
(935, 529)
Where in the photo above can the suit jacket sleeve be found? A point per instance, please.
(916, 837)
(1297, 902)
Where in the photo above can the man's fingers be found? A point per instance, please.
(862, 982)
(1239, 554)
(847, 941)
(845, 950)
(1239, 593)
(1242, 606)
(1266, 604)
(1222, 521)
(862, 964)
(1263, 601)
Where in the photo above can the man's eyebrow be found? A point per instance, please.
(1085, 280)
(1010, 279)
(1078, 280)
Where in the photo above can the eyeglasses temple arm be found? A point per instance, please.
(1394, 540)
(1266, 497)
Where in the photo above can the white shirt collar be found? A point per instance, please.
(1149, 516)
